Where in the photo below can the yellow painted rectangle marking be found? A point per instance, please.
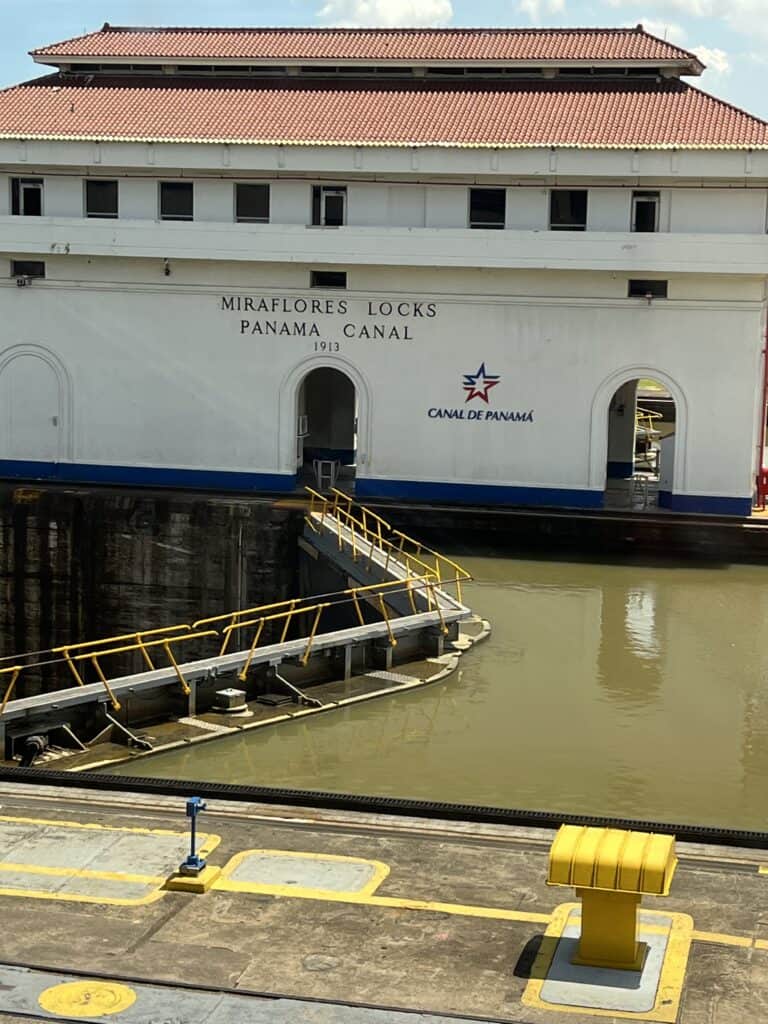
(209, 842)
(63, 897)
(670, 982)
(380, 870)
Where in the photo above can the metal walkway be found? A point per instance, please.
(400, 587)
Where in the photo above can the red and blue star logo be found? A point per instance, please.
(477, 385)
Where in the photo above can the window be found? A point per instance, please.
(487, 207)
(101, 199)
(645, 211)
(328, 279)
(27, 197)
(27, 268)
(176, 200)
(648, 289)
(329, 205)
(568, 210)
(252, 204)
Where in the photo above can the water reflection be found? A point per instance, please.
(616, 689)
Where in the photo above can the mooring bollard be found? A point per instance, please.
(612, 869)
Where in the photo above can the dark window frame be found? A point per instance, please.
(478, 223)
(102, 181)
(19, 185)
(239, 219)
(568, 225)
(319, 210)
(189, 187)
(645, 288)
(28, 268)
(650, 197)
(328, 279)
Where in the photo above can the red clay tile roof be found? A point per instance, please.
(621, 114)
(486, 44)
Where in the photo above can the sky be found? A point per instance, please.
(731, 36)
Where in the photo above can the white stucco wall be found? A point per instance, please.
(731, 211)
(162, 376)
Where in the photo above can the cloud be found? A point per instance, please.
(387, 13)
(717, 61)
(694, 8)
(745, 16)
(668, 30)
(537, 10)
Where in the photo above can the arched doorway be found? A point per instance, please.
(34, 406)
(642, 438)
(327, 415)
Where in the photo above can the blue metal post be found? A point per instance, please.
(194, 863)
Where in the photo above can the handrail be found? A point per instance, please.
(381, 534)
(165, 642)
(14, 671)
(287, 615)
(459, 574)
(138, 637)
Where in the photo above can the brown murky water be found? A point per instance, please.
(609, 689)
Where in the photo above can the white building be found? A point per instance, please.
(443, 256)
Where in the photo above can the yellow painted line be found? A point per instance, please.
(109, 876)
(380, 872)
(391, 902)
(728, 940)
(209, 843)
(460, 909)
(761, 944)
(61, 897)
(763, 869)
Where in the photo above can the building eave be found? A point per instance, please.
(383, 144)
(683, 67)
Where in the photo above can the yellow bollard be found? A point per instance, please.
(611, 870)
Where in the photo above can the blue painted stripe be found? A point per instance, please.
(706, 505)
(478, 494)
(146, 476)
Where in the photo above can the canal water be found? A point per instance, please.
(616, 689)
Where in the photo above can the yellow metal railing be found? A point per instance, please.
(366, 531)
(285, 612)
(14, 672)
(94, 650)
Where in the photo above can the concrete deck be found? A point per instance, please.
(389, 915)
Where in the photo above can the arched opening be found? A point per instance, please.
(33, 406)
(327, 412)
(642, 425)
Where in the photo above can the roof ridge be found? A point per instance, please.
(323, 30)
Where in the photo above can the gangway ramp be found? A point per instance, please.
(369, 550)
(398, 588)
